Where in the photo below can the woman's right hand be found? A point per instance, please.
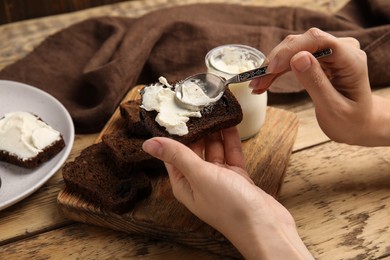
(338, 84)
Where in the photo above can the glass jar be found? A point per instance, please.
(229, 60)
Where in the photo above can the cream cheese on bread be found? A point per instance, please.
(24, 135)
(160, 97)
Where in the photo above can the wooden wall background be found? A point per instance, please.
(18, 10)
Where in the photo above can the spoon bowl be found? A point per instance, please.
(211, 84)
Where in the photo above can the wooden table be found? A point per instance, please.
(339, 195)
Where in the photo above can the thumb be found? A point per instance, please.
(172, 153)
(309, 73)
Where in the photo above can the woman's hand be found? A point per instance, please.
(338, 85)
(211, 181)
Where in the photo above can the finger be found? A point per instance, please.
(350, 41)
(181, 186)
(260, 85)
(309, 73)
(173, 153)
(198, 147)
(311, 41)
(234, 155)
(214, 149)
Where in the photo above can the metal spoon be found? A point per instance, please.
(214, 86)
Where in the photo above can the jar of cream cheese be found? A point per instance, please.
(229, 60)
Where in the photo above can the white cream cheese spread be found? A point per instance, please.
(193, 94)
(233, 60)
(22, 134)
(160, 97)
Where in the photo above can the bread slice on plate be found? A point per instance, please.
(27, 141)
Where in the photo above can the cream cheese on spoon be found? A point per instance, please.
(193, 93)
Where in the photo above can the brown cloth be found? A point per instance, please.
(91, 65)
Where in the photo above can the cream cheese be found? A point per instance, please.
(171, 116)
(233, 60)
(193, 94)
(22, 134)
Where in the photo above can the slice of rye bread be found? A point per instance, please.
(129, 111)
(45, 155)
(126, 151)
(91, 175)
(224, 113)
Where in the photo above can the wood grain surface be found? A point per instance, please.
(161, 216)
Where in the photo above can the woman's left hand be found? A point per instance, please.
(211, 181)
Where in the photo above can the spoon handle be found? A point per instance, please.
(262, 71)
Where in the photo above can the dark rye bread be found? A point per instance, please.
(129, 111)
(45, 155)
(224, 113)
(92, 175)
(126, 151)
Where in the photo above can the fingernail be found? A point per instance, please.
(152, 147)
(272, 65)
(301, 62)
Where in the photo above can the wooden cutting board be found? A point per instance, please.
(161, 216)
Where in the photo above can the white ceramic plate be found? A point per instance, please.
(17, 183)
